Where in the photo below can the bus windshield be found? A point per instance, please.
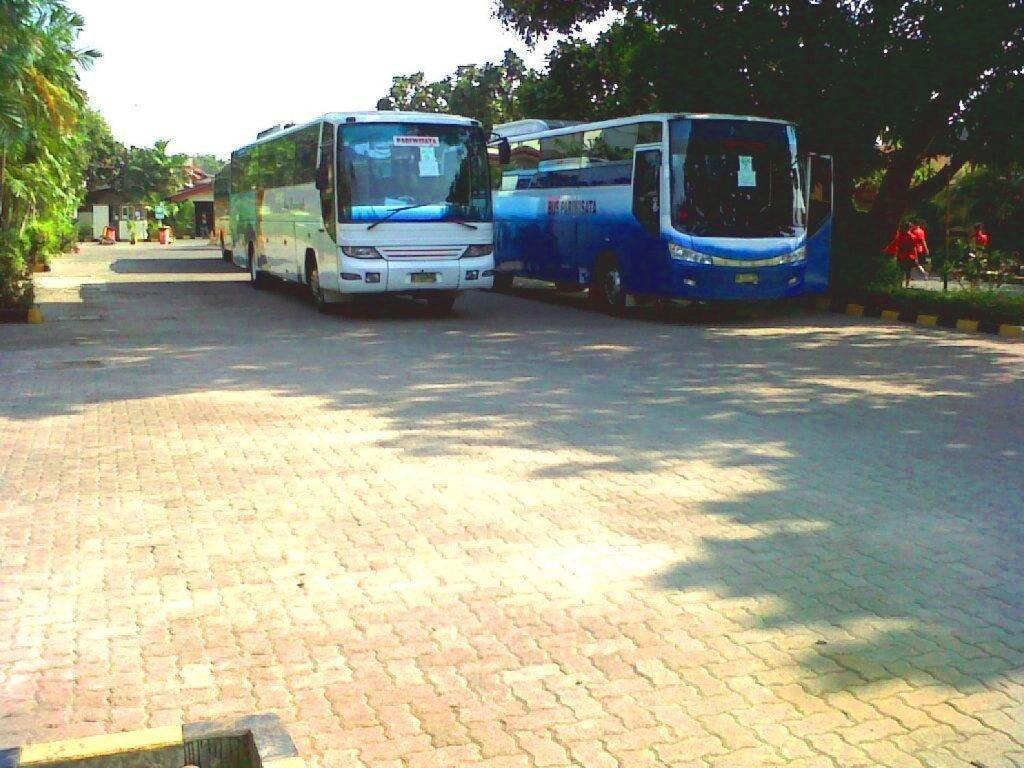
(438, 172)
(735, 178)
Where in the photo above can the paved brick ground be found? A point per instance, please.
(528, 535)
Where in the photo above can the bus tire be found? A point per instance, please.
(256, 278)
(441, 304)
(503, 282)
(607, 292)
(316, 290)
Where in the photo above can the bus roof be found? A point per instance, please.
(367, 117)
(516, 130)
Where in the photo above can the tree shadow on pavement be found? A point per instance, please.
(859, 533)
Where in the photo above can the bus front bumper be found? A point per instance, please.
(714, 283)
(369, 276)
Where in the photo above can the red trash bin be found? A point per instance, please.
(165, 235)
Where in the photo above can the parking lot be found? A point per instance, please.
(525, 535)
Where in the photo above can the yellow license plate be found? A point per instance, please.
(425, 277)
(747, 278)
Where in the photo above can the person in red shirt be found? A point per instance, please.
(918, 231)
(904, 247)
(980, 238)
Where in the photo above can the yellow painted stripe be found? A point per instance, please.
(890, 314)
(286, 762)
(967, 325)
(854, 310)
(101, 746)
(35, 315)
(1011, 331)
(930, 320)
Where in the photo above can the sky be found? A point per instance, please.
(210, 74)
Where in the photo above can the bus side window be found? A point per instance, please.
(305, 156)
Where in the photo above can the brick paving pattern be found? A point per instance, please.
(527, 535)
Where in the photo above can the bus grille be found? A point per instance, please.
(423, 251)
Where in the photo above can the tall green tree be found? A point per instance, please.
(150, 174)
(880, 84)
(488, 92)
(103, 153)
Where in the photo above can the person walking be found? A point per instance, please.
(980, 237)
(904, 247)
(919, 233)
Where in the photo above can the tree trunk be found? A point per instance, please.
(893, 197)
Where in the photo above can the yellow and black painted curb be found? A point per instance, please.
(30, 315)
(1007, 331)
(259, 741)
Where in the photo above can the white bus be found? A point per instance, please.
(366, 203)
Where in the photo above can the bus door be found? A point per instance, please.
(641, 269)
(818, 194)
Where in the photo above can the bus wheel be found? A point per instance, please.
(503, 282)
(441, 304)
(256, 278)
(316, 291)
(606, 290)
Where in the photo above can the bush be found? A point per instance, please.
(49, 238)
(16, 289)
(183, 218)
(981, 305)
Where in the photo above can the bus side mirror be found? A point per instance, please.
(504, 152)
(323, 179)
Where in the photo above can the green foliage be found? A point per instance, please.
(993, 195)
(855, 75)
(981, 305)
(41, 146)
(149, 174)
(49, 237)
(103, 153)
(16, 290)
(182, 218)
(489, 92)
(208, 163)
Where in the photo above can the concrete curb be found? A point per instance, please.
(963, 325)
(260, 740)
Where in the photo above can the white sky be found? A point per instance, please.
(209, 74)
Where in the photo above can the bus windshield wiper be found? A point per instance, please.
(396, 212)
(393, 213)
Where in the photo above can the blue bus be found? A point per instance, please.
(662, 206)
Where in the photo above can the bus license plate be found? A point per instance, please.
(425, 277)
(747, 278)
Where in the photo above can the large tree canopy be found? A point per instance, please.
(488, 92)
(877, 83)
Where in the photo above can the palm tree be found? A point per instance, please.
(40, 100)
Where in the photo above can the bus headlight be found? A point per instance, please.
(679, 253)
(476, 251)
(797, 256)
(360, 251)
